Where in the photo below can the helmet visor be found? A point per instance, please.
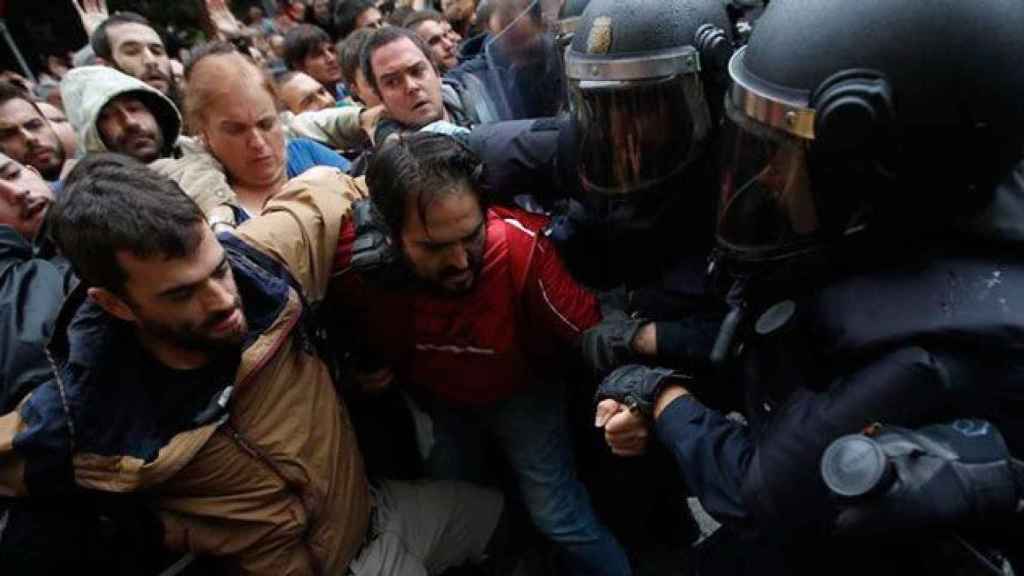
(635, 134)
(766, 203)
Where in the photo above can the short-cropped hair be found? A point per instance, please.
(382, 37)
(100, 39)
(113, 203)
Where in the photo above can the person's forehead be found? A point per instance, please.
(17, 111)
(157, 272)
(319, 49)
(126, 99)
(52, 113)
(429, 28)
(302, 84)
(296, 90)
(133, 32)
(239, 104)
(396, 55)
(451, 214)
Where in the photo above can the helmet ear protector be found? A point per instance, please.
(851, 108)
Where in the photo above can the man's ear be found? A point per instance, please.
(100, 61)
(112, 304)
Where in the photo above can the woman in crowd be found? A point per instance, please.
(232, 108)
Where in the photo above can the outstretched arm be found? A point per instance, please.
(92, 13)
(223, 23)
(300, 225)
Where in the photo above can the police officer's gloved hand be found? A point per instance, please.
(940, 475)
(638, 386)
(609, 343)
(373, 253)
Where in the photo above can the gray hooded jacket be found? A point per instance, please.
(88, 89)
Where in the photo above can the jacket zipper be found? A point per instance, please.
(257, 454)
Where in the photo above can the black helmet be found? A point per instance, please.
(645, 78)
(875, 114)
(568, 17)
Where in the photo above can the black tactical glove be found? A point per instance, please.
(609, 344)
(941, 475)
(374, 254)
(638, 386)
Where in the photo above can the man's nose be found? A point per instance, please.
(458, 256)
(411, 84)
(130, 119)
(257, 140)
(219, 297)
(31, 138)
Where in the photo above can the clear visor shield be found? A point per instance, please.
(634, 135)
(766, 204)
(524, 76)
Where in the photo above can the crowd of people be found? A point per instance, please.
(601, 287)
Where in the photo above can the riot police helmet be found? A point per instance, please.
(568, 17)
(646, 78)
(871, 116)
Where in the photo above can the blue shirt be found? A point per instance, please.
(303, 154)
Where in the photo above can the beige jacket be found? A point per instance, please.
(202, 177)
(275, 481)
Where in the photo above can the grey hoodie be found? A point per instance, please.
(88, 89)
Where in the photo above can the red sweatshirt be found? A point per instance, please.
(476, 348)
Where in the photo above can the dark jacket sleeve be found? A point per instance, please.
(769, 478)
(521, 158)
(31, 293)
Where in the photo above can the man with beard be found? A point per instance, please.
(189, 385)
(114, 112)
(471, 307)
(25, 134)
(128, 43)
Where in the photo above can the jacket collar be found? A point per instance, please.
(103, 367)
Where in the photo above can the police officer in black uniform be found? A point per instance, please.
(870, 222)
(628, 173)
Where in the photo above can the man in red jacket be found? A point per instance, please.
(471, 306)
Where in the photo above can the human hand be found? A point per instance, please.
(19, 81)
(92, 13)
(610, 343)
(368, 119)
(625, 431)
(224, 23)
(639, 387)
